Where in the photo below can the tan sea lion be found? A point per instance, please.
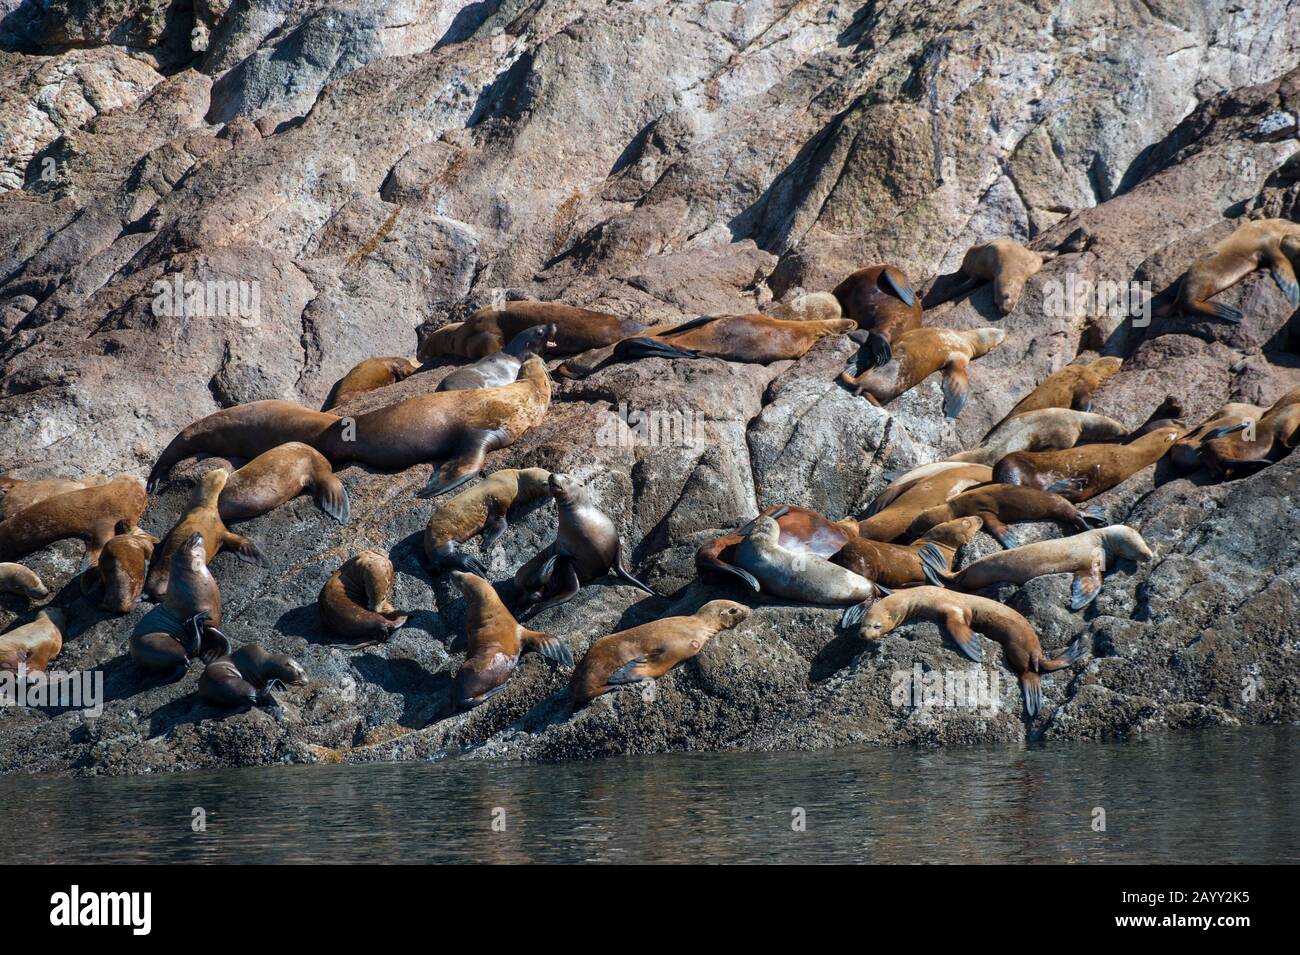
(753, 339)
(1048, 429)
(368, 376)
(458, 428)
(247, 676)
(1007, 264)
(802, 531)
(496, 641)
(881, 300)
(1230, 450)
(32, 646)
(204, 518)
(484, 507)
(998, 505)
(1078, 474)
(280, 475)
(1186, 452)
(17, 579)
(1087, 556)
(15, 494)
(649, 651)
(918, 354)
(488, 330)
(960, 617)
(897, 565)
(186, 624)
(1265, 243)
(93, 514)
(119, 576)
(356, 602)
(502, 367)
(911, 496)
(1071, 387)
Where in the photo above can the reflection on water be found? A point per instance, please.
(1221, 796)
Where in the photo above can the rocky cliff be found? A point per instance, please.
(366, 167)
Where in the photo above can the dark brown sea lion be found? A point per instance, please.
(502, 368)
(881, 300)
(356, 602)
(247, 676)
(1265, 243)
(94, 515)
(802, 531)
(1078, 474)
(32, 646)
(280, 475)
(496, 641)
(488, 330)
(484, 507)
(186, 624)
(898, 565)
(918, 354)
(1231, 450)
(15, 494)
(119, 576)
(998, 505)
(1071, 387)
(17, 579)
(649, 651)
(369, 375)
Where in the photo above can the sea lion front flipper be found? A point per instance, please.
(956, 385)
(1067, 485)
(622, 573)
(954, 625)
(626, 674)
(878, 352)
(1284, 276)
(895, 282)
(332, 498)
(934, 566)
(213, 644)
(461, 467)
(1227, 429)
(1031, 688)
(1092, 516)
(634, 348)
(1001, 533)
(549, 646)
(245, 549)
(1086, 586)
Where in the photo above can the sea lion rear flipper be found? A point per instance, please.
(213, 644)
(1032, 690)
(245, 549)
(1224, 431)
(332, 498)
(956, 385)
(1086, 586)
(1284, 276)
(569, 583)
(622, 573)
(954, 626)
(1217, 310)
(898, 285)
(634, 348)
(549, 646)
(1001, 533)
(625, 674)
(1092, 516)
(459, 560)
(878, 352)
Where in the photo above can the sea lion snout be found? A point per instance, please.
(562, 487)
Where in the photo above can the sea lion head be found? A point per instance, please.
(1124, 541)
(532, 341)
(1008, 286)
(724, 614)
(765, 532)
(534, 482)
(1291, 247)
(282, 667)
(883, 617)
(434, 343)
(191, 555)
(958, 532)
(984, 340)
(1105, 367)
(565, 489)
(210, 485)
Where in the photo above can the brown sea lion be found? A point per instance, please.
(119, 576)
(754, 339)
(502, 368)
(244, 431)
(280, 475)
(802, 531)
(1087, 556)
(1004, 262)
(94, 515)
(186, 624)
(911, 496)
(998, 505)
(368, 376)
(1230, 450)
(247, 676)
(15, 494)
(1078, 474)
(496, 641)
(17, 579)
(1070, 387)
(1265, 243)
(356, 602)
(1186, 452)
(1047, 429)
(32, 646)
(961, 617)
(897, 565)
(918, 354)
(586, 548)
(881, 300)
(458, 428)
(488, 330)
(484, 507)
(649, 651)
(203, 517)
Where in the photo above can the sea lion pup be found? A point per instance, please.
(962, 616)
(204, 518)
(915, 496)
(882, 302)
(247, 676)
(488, 330)
(1069, 387)
(998, 505)
(368, 376)
(244, 431)
(803, 531)
(1004, 262)
(1265, 243)
(802, 576)
(897, 565)
(918, 354)
(1087, 556)
(185, 625)
(17, 579)
(32, 646)
(1230, 450)
(1083, 472)
(753, 339)
(1186, 452)
(93, 514)
(586, 548)
(496, 641)
(119, 575)
(484, 507)
(15, 494)
(279, 475)
(649, 651)
(356, 602)
(501, 368)
(1048, 429)
(458, 428)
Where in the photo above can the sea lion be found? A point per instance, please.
(800, 576)
(998, 505)
(484, 507)
(1087, 556)
(501, 368)
(803, 531)
(496, 641)
(488, 330)
(368, 376)
(17, 579)
(1186, 452)
(1230, 450)
(649, 651)
(185, 625)
(960, 617)
(1069, 387)
(896, 565)
(119, 576)
(753, 339)
(1264, 243)
(910, 496)
(356, 602)
(15, 494)
(93, 514)
(586, 548)
(808, 306)
(458, 428)
(1047, 429)
(1004, 262)
(244, 431)
(32, 646)
(1078, 474)
(247, 676)
(883, 303)
(280, 475)
(917, 355)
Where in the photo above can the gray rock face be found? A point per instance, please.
(358, 169)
